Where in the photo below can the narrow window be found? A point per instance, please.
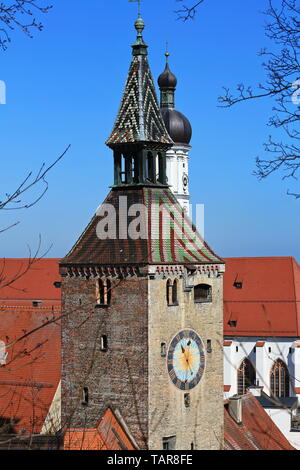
(209, 348)
(160, 168)
(270, 349)
(280, 380)
(103, 292)
(174, 293)
(245, 376)
(103, 343)
(37, 303)
(122, 170)
(85, 396)
(236, 349)
(192, 446)
(232, 323)
(163, 349)
(187, 400)
(202, 293)
(150, 167)
(169, 292)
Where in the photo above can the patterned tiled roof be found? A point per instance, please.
(139, 118)
(169, 239)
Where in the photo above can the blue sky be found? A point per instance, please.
(65, 85)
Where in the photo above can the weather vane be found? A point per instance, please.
(139, 6)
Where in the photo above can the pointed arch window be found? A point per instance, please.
(280, 379)
(103, 292)
(245, 376)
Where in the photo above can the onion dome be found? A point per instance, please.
(167, 79)
(177, 125)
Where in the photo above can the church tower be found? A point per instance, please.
(142, 321)
(180, 130)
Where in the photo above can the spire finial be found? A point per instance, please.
(139, 6)
(167, 54)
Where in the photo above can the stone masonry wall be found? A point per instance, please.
(202, 423)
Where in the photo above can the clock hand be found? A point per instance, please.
(182, 349)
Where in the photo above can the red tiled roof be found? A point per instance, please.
(270, 289)
(257, 432)
(227, 343)
(35, 284)
(227, 388)
(108, 435)
(33, 366)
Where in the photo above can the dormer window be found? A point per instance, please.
(103, 292)
(37, 303)
(202, 293)
(238, 285)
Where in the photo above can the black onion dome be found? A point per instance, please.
(167, 79)
(178, 126)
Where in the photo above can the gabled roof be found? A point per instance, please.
(139, 118)
(257, 431)
(259, 293)
(30, 377)
(167, 238)
(30, 281)
(109, 434)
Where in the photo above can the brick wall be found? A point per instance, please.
(117, 377)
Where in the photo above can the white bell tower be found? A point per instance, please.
(180, 131)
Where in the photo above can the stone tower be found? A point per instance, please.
(180, 131)
(142, 297)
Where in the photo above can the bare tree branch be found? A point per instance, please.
(19, 14)
(282, 83)
(187, 12)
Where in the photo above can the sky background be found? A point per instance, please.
(65, 86)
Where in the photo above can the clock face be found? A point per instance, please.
(186, 360)
(185, 180)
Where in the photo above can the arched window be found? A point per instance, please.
(172, 292)
(280, 379)
(169, 292)
(202, 293)
(103, 292)
(245, 376)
